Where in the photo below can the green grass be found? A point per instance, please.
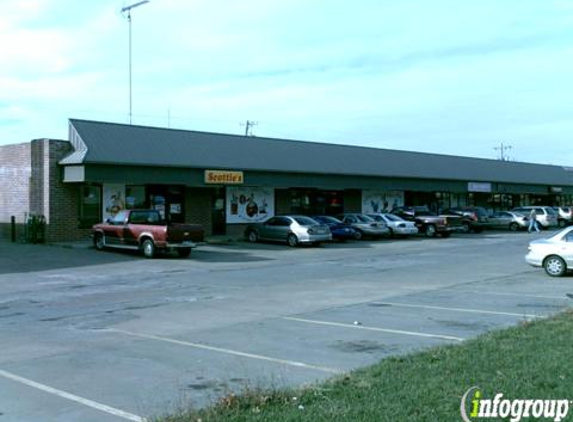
(532, 360)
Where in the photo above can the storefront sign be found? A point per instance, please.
(556, 189)
(376, 201)
(223, 177)
(484, 187)
(248, 205)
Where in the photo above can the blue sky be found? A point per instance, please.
(449, 76)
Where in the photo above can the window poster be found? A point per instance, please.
(376, 201)
(248, 205)
(113, 199)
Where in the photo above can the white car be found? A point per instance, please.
(554, 254)
(397, 225)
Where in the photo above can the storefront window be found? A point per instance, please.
(134, 197)
(90, 206)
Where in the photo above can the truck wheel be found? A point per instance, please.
(465, 227)
(99, 243)
(148, 248)
(430, 230)
(183, 252)
(554, 266)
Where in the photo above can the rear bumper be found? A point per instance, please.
(186, 244)
(312, 238)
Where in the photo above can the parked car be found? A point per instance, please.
(292, 229)
(429, 223)
(554, 254)
(339, 230)
(146, 231)
(564, 216)
(474, 219)
(511, 220)
(364, 226)
(397, 225)
(546, 216)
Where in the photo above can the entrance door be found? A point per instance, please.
(218, 212)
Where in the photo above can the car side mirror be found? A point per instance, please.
(107, 220)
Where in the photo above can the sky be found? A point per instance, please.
(441, 76)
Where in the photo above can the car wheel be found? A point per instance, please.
(358, 235)
(562, 223)
(514, 227)
(253, 236)
(148, 248)
(99, 242)
(183, 252)
(554, 266)
(430, 230)
(292, 240)
(465, 227)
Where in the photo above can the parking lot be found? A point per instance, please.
(108, 336)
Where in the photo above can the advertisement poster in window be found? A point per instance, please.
(113, 199)
(249, 205)
(376, 201)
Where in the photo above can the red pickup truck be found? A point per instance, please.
(146, 231)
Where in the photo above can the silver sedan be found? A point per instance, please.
(293, 229)
(397, 225)
(365, 226)
(554, 254)
(511, 220)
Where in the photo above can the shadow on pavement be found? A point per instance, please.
(22, 258)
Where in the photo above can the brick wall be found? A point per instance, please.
(198, 204)
(63, 198)
(15, 171)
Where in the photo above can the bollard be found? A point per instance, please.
(13, 227)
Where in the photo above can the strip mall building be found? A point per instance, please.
(227, 181)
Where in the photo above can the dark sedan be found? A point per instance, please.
(339, 230)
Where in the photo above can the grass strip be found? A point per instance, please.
(529, 361)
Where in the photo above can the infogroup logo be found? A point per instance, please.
(516, 410)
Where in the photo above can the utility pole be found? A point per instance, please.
(128, 10)
(502, 148)
(249, 127)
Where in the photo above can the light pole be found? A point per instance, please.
(128, 10)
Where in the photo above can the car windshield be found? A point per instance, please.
(305, 221)
(364, 218)
(550, 211)
(392, 217)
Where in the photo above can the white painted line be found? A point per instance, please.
(381, 330)
(482, 292)
(227, 351)
(443, 308)
(72, 397)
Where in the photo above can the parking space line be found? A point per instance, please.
(443, 308)
(482, 292)
(378, 329)
(72, 397)
(227, 351)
